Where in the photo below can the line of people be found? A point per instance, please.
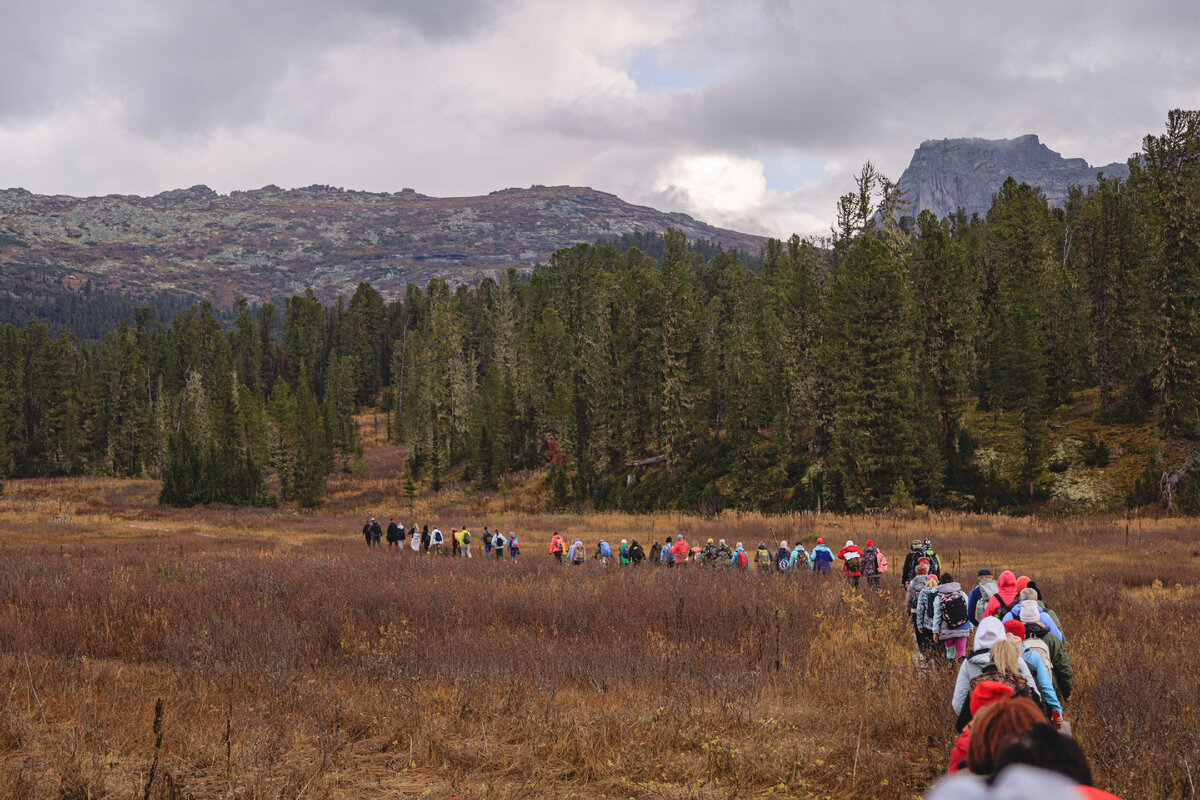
(1017, 661)
(426, 540)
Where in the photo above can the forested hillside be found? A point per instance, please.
(852, 376)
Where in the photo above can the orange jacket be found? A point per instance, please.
(681, 550)
(557, 544)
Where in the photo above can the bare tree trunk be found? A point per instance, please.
(1169, 480)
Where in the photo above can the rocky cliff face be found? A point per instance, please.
(271, 242)
(946, 174)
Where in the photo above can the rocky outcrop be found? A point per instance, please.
(271, 242)
(946, 174)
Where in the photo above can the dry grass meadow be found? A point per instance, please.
(292, 662)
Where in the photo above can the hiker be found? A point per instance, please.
(1037, 636)
(514, 547)
(426, 538)
(1006, 596)
(985, 587)
(724, 554)
(655, 552)
(874, 564)
(1006, 667)
(852, 555)
(623, 557)
(822, 557)
(666, 554)
(740, 560)
(783, 557)
(983, 695)
(435, 541)
(465, 542)
(455, 542)
(486, 536)
(1028, 610)
(1036, 593)
(681, 549)
(997, 723)
(935, 563)
(414, 538)
(762, 557)
(603, 553)
(695, 554)
(367, 531)
(558, 547)
(951, 625)
(1046, 753)
(577, 553)
(395, 534)
(1041, 672)
(636, 553)
(915, 586)
(708, 554)
(498, 545)
(799, 558)
(915, 554)
(925, 611)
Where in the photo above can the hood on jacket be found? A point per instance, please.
(1007, 586)
(953, 586)
(990, 631)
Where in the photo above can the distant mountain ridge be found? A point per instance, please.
(272, 242)
(946, 174)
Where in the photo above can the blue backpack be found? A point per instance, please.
(605, 550)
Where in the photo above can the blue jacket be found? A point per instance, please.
(1046, 621)
(822, 557)
(1045, 685)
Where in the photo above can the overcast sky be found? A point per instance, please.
(750, 115)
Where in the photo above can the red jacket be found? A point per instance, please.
(681, 550)
(557, 544)
(854, 552)
(1006, 592)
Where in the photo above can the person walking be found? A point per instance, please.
(989, 633)
(465, 539)
(951, 623)
(985, 587)
(514, 547)
(1006, 597)
(578, 552)
(558, 547)
(800, 560)
(762, 558)
(486, 537)
(681, 549)
(916, 585)
(666, 554)
(1041, 672)
(455, 542)
(740, 560)
(915, 553)
(426, 538)
(414, 539)
(783, 557)
(636, 553)
(395, 534)
(498, 543)
(822, 557)
(724, 554)
(873, 564)
(623, 553)
(603, 553)
(852, 555)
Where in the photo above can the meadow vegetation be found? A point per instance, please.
(293, 662)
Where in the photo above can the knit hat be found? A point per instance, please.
(869, 543)
(1015, 628)
(988, 692)
(1030, 611)
(1022, 582)
(783, 544)
(820, 541)
(710, 541)
(990, 631)
(623, 541)
(1028, 594)
(739, 544)
(984, 571)
(849, 543)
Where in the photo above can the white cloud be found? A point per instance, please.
(694, 105)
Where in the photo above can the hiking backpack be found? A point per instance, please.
(1035, 644)
(741, 559)
(882, 562)
(667, 556)
(954, 610)
(854, 564)
(1005, 608)
(783, 563)
(466, 537)
(605, 550)
(802, 559)
(986, 591)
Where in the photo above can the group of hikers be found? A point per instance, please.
(866, 561)
(1011, 686)
(426, 540)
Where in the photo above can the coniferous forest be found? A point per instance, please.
(831, 374)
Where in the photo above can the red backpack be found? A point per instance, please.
(742, 559)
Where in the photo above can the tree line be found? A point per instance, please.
(832, 374)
